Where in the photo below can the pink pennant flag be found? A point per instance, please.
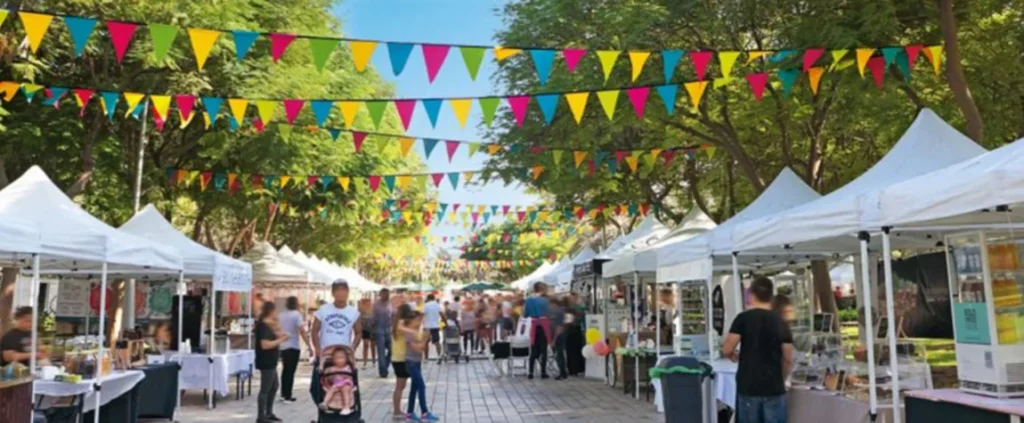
(912, 52)
(185, 105)
(258, 124)
(357, 140)
(638, 96)
(476, 216)
(757, 83)
(437, 178)
(619, 155)
(455, 208)
(83, 95)
(811, 57)
(505, 209)
(157, 120)
(433, 57)
(452, 147)
(292, 109)
(120, 36)
(519, 104)
(278, 44)
(521, 215)
(537, 149)
(700, 62)
(374, 181)
(312, 180)
(877, 67)
(572, 57)
(405, 110)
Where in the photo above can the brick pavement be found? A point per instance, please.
(464, 392)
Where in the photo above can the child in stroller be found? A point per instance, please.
(337, 382)
(452, 346)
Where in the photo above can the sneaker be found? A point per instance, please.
(544, 376)
(289, 399)
(412, 417)
(430, 417)
(398, 417)
(530, 377)
(273, 418)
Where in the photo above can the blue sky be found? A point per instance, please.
(438, 21)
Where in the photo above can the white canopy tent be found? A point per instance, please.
(563, 279)
(641, 255)
(648, 232)
(226, 274)
(524, 283)
(835, 223)
(269, 268)
(315, 273)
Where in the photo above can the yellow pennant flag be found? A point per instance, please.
(696, 91)
(608, 101)
(344, 181)
(502, 53)
(468, 176)
(202, 43)
(35, 25)
(404, 181)
(863, 54)
(814, 77)
(362, 51)
(934, 55)
(577, 104)
(132, 100)
(654, 155)
(537, 170)
(405, 144)
(192, 177)
(206, 119)
(542, 215)
(285, 179)
(633, 160)
(481, 208)
(493, 149)
(266, 109)
(727, 59)
(754, 55)
(461, 107)
(838, 55)
(608, 58)
(709, 150)
(9, 89)
(238, 106)
(578, 157)
(637, 59)
(349, 109)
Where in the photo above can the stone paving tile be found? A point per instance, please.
(464, 392)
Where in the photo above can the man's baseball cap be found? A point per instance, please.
(339, 283)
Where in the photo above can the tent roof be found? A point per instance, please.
(587, 255)
(566, 266)
(199, 261)
(828, 225)
(316, 274)
(640, 255)
(19, 238)
(647, 232)
(69, 237)
(525, 282)
(269, 267)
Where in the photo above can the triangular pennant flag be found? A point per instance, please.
(637, 59)
(3, 15)
(619, 155)
(493, 149)
(537, 170)
(405, 108)
(572, 57)
(121, 36)
(374, 182)
(811, 57)
(638, 96)
(284, 180)
(608, 59)
(726, 60)
(285, 131)
(161, 104)
(473, 148)
(709, 150)
(837, 56)
(556, 156)
(502, 53)
(877, 67)
(80, 30)
(433, 108)
(335, 132)
(344, 181)
(788, 78)
(912, 52)
(757, 83)
(633, 161)
(863, 54)
(238, 107)
(292, 107)
(472, 57)
(903, 63)
(433, 58)
(405, 144)
(781, 55)
(163, 36)
(542, 61)
(461, 108)
(428, 147)
(668, 95)
(398, 53)
(578, 157)
(548, 104)
(404, 181)
(669, 61)
(488, 106)
(357, 140)
(132, 100)
(608, 100)
(754, 55)
(82, 97)
(202, 42)
(453, 177)
(265, 109)
(321, 110)
(577, 104)
(389, 180)
(519, 105)
(109, 100)
(362, 51)
(814, 77)
(279, 42)
(376, 109)
(244, 41)
(185, 104)
(349, 109)
(696, 91)
(35, 25)
(321, 48)
(700, 62)
(934, 55)
(890, 53)
(452, 147)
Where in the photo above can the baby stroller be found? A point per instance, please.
(331, 415)
(452, 345)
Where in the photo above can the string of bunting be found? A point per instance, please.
(454, 264)
(202, 40)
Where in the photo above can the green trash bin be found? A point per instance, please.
(684, 383)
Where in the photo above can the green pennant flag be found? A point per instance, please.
(322, 49)
(473, 148)
(376, 109)
(473, 57)
(285, 130)
(163, 36)
(488, 106)
(556, 155)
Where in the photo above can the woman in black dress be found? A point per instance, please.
(268, 342)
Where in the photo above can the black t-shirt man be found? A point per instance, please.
(266, 358)
(762, 333)
(16, 340)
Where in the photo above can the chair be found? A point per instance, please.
(520, 348)
(501, 353)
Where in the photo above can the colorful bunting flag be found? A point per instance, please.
(519, 105)
(638, 96)
(572, 57)
(279, 43)
(121, 36)
(700, 62)
(362, 51)
(608, 59)
(757, 82)
(696, 91)
(321, 49)
(488, 107)
(35, 25)
(202, 42)
(433, 58)
(608, 100)
(80, 30)
(542, 62)
(473, 57)
(577, 104)
(405, 108)
(668, 95)
(398, 54)
(637, 60)
(548, 104)
(863, 54)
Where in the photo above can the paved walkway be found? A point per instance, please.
(464, 392)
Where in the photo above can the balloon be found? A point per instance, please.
(593, 335)
(588, 352)
(602, 349)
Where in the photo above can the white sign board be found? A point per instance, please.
(232, 277)
(73, 298)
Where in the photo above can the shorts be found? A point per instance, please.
(367, 335)
(435, 335)
(400, 371)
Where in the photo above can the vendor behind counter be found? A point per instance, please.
(16, 344)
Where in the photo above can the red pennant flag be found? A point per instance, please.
(312, 180)
(402, 204)
(83, 95)
(521, 215)
(700, 62)
(374, 182)
(278, 44)
(258, 124)
(912, 52)
(644, 208)
(877, 66)
(257, 181)
(292, 109)
(476, 216)
(433, 58)
(580, 212)
(455, 208)
(120, 36)
(157, 120)
(385, 214)
(207, 176)
(272, 208)
(185, 105)
(505, 237)
(357, 140)
(437, 177)
(757, 83)
(591, 168)
(452, 147)
(505, 209)
(619, 155)
(233, 184)
(572, 57)
(537, 149)
(669, 155)
(811, 57)
(406, 108)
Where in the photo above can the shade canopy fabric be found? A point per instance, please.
(563, 280)
(19, 239)
(269, 268)
(70, 239)
(641, 254)
(315, 273)
(830, 223)
(200, 262)
(525, 283)
(678, 260)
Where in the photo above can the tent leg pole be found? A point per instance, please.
(102, 341)
(181, 297)
(737, 283)
(709, 318)
(636, 333)
(35, 311)
(211, 342)
(891, 335)
(657, 321)
(677, 343)
(869, 323)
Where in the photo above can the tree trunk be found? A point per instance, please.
(88, 160)
(955, 72)
(8, 280)
(823, 290)
(3, 174)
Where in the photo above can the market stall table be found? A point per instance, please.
(196, 370)
(115, 385)
(934, 405)
(808, 405)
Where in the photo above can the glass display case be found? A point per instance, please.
(986, 282)
(693, 302)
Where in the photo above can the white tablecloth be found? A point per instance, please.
(113, 386)
(195, 369)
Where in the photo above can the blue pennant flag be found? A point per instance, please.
(334, 133)
(110, 98)
(80, 29)
(453, 177)
(390, 181)
(788, 78)
(321, 110)
(548, 103)
(212, 108)
(890, 53)
(326, 180)
(668, 96)
(243, 42)
(542, 60)
(428, 146)
(399, 55)
(669, 61)
(433, 108)
(781, 55)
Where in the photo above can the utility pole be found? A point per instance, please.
(129, 307)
